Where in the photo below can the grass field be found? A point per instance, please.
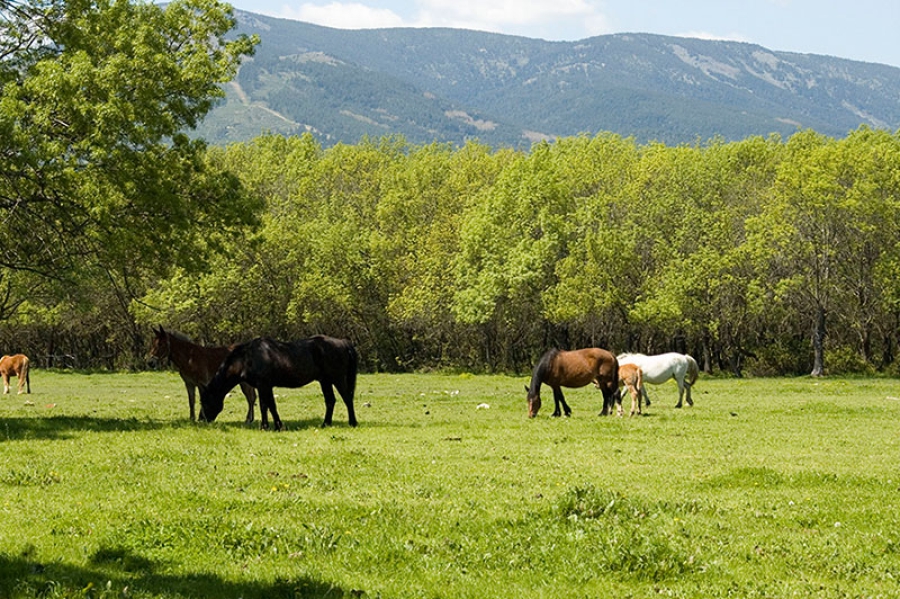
(765, 488)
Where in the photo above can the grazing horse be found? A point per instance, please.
(558, 368)
(266, 363)
(195, 363)
(660, 368)
(16, 366)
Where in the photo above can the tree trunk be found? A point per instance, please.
(819, 343)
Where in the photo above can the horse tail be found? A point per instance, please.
(610, 398)
(25, 373)
(693, 370)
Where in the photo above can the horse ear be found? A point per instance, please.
(526, 388)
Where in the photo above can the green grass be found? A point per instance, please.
(766, 488)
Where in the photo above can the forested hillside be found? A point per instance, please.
(762, 256)
(450, 85)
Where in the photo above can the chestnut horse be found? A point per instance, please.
(195, 363)
(631, 377)
(558, 368)
(267, 363)
(16, 366)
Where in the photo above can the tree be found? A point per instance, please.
(96, 168)
(829, 230)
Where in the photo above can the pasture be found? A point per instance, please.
(765, 488)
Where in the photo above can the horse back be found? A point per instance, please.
(660, 368)
(15, 365)
(297, 363)
(630, 375)
(581, 367)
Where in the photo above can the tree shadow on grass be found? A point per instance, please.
(117, 571)
(64, 427)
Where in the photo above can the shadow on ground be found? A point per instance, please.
(114, 571)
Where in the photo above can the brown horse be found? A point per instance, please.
(16, 366)
(195, 363)
(578, 368)
(631, 377)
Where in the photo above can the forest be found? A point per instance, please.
(765, 256)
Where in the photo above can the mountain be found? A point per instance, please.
(451, 85)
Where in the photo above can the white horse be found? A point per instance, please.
(660, 368)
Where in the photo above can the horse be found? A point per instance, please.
(660, 368)
(631, 377)
(17, 366)
(558, 368)
(195, 363)
(266, 363)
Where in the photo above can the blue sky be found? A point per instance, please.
(864, 30)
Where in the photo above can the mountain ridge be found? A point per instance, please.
(452, 85)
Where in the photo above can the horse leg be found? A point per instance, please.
(21, 383)
(687, 388)
(560, 400)
(635, 400)
(250, 394)
(191, 399)
(644, 395)
(330, 401)
(611, 397)
(266, 405)
(680, 391)
(5, 383)
(348, 401)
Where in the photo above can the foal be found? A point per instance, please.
(17, 366)
(631, 377)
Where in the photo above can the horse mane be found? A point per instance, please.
(629, 355)
(541, 368)
(178, 335)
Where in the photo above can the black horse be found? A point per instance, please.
(266, 363)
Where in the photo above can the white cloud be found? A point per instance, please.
(344, 15)
(504, 12)
(571, 19)
(577, 17)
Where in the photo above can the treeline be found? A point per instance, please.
(764, 256)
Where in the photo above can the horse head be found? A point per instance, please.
(210, 406)
(159, 348)
(534, 402)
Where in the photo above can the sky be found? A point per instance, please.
(865, 30)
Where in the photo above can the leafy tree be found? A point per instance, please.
(417, 240)
(599, 277)
(101, 188)
(95, 99)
